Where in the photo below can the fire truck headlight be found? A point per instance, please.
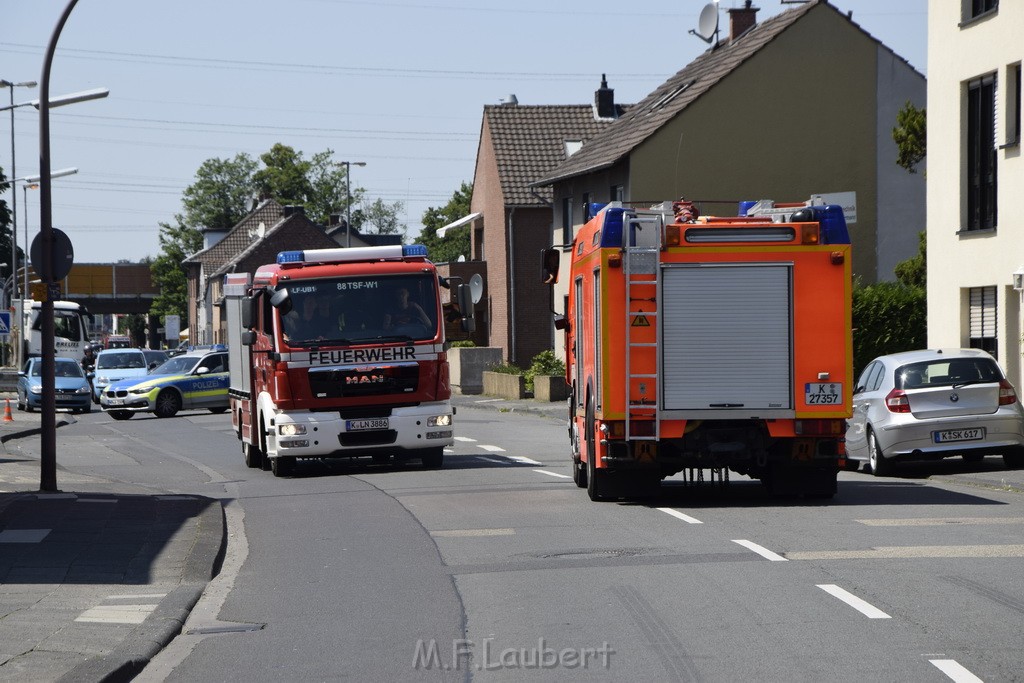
(439, 421)
(290, 429)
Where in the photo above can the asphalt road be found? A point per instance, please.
(498, 568)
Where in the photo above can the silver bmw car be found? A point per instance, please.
(933, 404)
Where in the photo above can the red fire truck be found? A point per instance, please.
(340, 353)
(698, 343)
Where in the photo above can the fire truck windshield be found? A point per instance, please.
(361, 310)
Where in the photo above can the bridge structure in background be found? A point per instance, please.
(104, 288)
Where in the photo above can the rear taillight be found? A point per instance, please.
(1007, 394)
(896, 401)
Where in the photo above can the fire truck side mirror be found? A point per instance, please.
(549, 261)
(465, 298)
(280, 300)
(248, 312)
(248, 338)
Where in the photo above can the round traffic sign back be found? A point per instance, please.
(63, 255)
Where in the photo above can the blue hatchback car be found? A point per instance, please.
(71, 387)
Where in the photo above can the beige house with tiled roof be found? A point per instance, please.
(799, 104)
(256, 240)
(510, 221)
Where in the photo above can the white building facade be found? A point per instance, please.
(976, 178)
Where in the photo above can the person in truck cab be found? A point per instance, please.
(405, 312)
(314, 321)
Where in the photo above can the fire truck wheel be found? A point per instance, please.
(121, 414)
(596, 479)
(433, 458)
(579, 473)
(879, 465)
(168, 403)
(282, 467)
(253, 456)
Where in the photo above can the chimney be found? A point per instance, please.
(294, 209)
(511, 101)
(334, 219)
(741, 20)
(604, 100)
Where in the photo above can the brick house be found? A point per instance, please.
(255, 240)
(510, 222)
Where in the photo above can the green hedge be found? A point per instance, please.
(887, 317)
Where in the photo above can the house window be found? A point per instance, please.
(978, 7)
(617, 193)
(1013, 114)
(981, 154)
(983, 319)
(586, 207)
(567, 222)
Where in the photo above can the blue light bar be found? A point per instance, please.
(289, 257)
(414, 250)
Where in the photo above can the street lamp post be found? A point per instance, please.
(348, 199)
(59, 101)
(31, 182)
(14, 193)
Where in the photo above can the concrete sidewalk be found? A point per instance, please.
(95, 579)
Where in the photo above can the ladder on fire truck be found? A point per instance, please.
(642, 234)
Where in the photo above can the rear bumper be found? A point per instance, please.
(907, 442)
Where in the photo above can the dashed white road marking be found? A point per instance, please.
(941, 521)
(762, 551)
(23, 535)
(554, 474)
(468, 533)
(489, 400)
(523, 460)
(912, 552)
(494, 460)
(679, 515)
(865, 608)
(136, 596)
(955, 670)
(465, 439)
(490, 449)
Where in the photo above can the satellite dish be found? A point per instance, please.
(707, 25)
(476, 287)
(258, 231)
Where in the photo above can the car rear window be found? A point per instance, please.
(947, 372)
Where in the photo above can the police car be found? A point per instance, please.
(192, 381)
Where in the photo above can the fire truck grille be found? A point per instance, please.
(399, 378)
(381, 438)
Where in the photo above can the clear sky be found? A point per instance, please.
(399, 85)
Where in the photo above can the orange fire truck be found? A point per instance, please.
(340, 353)
(699, 343)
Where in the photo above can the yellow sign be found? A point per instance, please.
(641, 321)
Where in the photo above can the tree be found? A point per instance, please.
(6, 230)
(177, 243)
(910, 136)
(327, 180)
(914, 271)
(221, 194)
(380, 218)
(285, 176)
(455, 243)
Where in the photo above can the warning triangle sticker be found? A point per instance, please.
(641, 321)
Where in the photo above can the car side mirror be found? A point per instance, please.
(202, 371)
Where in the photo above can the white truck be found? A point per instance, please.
(69, 330)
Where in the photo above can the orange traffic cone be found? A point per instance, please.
(7, 412)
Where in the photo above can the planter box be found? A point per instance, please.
(505, 386)
(550, 388)
(466, 367)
